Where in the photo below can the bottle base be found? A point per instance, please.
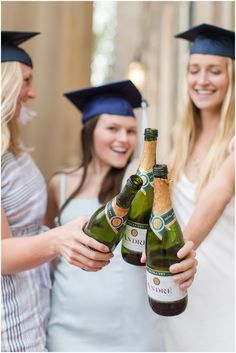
(168, 309)
(133, 259)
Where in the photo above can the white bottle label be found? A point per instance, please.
(135, 236)
(162, 288)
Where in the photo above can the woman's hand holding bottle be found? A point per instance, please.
(184, 271)
(76, 247)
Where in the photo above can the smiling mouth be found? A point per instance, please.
(203, 92)
(121, 150)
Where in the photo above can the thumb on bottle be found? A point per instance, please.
(143, 258)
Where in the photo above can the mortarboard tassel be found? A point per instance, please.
(26, 115)
(142, 126)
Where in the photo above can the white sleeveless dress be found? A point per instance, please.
(105, 311)
(207, 325)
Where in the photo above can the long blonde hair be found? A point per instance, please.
(188, 127)
(11, 83)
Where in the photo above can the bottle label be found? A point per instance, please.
(148, 179)
(162, 288)
(161, 223)
(135, 236)
(116, 216)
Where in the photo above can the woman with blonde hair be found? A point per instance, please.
(202, 169)
(27, 246)
(189, 128)
(11, 83)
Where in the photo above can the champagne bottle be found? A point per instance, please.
(106, 223)
(134, 233)
(164, 239)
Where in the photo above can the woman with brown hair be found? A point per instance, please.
(108, 311)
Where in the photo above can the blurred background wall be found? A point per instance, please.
(86, 42)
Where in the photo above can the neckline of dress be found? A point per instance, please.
(184, 176)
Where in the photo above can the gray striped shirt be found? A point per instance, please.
(25, 295)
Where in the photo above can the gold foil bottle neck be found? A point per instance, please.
(148, 157)
(162, 201)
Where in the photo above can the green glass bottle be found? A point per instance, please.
(134, 233)
(106, 223)
(164, 239)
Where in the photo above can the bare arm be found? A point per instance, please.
(23, 253)
(212, 202)
(53, 201)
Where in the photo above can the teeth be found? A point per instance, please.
(201, 91)
(119, 149)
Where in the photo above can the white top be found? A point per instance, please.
(208, 322)
(101, 311)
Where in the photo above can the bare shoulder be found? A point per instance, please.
(222, 186)
(54, 182)
(75, 173)
(72, 180)
(230, 160)
(226, 172)
(69, 173)
(227, 169)
(54, 188)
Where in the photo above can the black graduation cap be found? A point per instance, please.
(9, 46)
(209, 39)
(117, 98)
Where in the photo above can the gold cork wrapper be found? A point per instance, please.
(115, 215)
(147, 159)
(120, 212)
(162, 201)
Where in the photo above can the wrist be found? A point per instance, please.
(53, 240)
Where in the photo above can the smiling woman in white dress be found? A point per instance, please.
(202, 168)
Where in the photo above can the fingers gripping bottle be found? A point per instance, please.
(106, 223)
(134, 233)
(164, 239)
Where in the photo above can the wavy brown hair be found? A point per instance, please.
(112, 181)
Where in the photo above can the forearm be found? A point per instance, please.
(24, 253)
(206, 214)
(200, 224)
(69, 241)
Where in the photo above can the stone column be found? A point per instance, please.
(61, 56)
